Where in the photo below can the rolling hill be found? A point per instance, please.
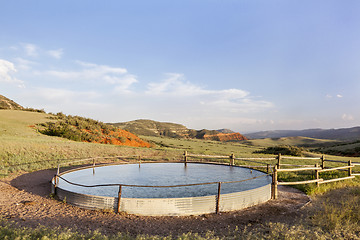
(347, 134)
(174, 130)
(73, 127)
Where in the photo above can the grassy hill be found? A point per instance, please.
(22, 143)
(153, 128)
(173, 130)
(344, 134)
(350, 149)
(293, 141)
(88, 130)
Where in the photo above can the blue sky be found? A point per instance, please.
(247, 65)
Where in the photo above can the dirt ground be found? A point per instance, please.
(25, 200)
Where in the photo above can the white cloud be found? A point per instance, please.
(102, 68)
(97, 73)
(6, 70)
(56, 53)
(60, 95)
(31, 50)
(337, 95)
(228, 100)
(347, 117)
(174, 84)
(83, 103)
(14, 48)
(24, 64)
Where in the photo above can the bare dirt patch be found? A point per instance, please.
(25, 199)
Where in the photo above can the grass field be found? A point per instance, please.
(23, 148)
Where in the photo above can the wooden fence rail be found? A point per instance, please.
(317, 179)
(336, 168)
(301, 182)
(336, 179)
(298, 169)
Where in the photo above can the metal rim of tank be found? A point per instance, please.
(165, 206)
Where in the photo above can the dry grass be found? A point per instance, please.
(23, 148)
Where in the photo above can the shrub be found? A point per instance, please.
(283, 149)
(76, 128)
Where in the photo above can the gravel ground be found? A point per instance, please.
(25, 200)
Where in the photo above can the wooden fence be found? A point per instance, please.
(278, 167)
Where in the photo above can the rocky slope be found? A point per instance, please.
(225, 137)
(6, 103)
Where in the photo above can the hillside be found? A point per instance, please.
(153, 128)
(348, 134)
(6, 103)
(76, 128)
(88, 130)
(174, 130)
(225, 137)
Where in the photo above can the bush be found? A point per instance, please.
(283, 149)
(75, 128)
(34, 110)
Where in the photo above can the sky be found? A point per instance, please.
(246, 65)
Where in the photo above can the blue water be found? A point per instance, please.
(163, 174)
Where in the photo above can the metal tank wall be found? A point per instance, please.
(170, 206)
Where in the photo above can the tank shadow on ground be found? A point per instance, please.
(38, 183)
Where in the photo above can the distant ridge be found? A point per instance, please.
(225, 130)
(6, 103)
(335, 134)
(153, 128)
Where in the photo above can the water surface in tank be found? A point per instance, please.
(163, 174)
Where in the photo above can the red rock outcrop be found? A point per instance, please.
(121, 137)
(225, 137)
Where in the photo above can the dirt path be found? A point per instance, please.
(25, 200)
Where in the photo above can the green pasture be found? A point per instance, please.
(198, 146)
(293, 141)
(23, 148)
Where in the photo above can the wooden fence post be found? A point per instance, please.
(349, 169)
(139, 160)
(58, 170)
(218, 198)
(53, 186)
(232, 159)
(56, 180)
(185, 156)
(274, 184)
(322, 162)
(93, 165)
(279, 160)
(317, 174)
(119, 199)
